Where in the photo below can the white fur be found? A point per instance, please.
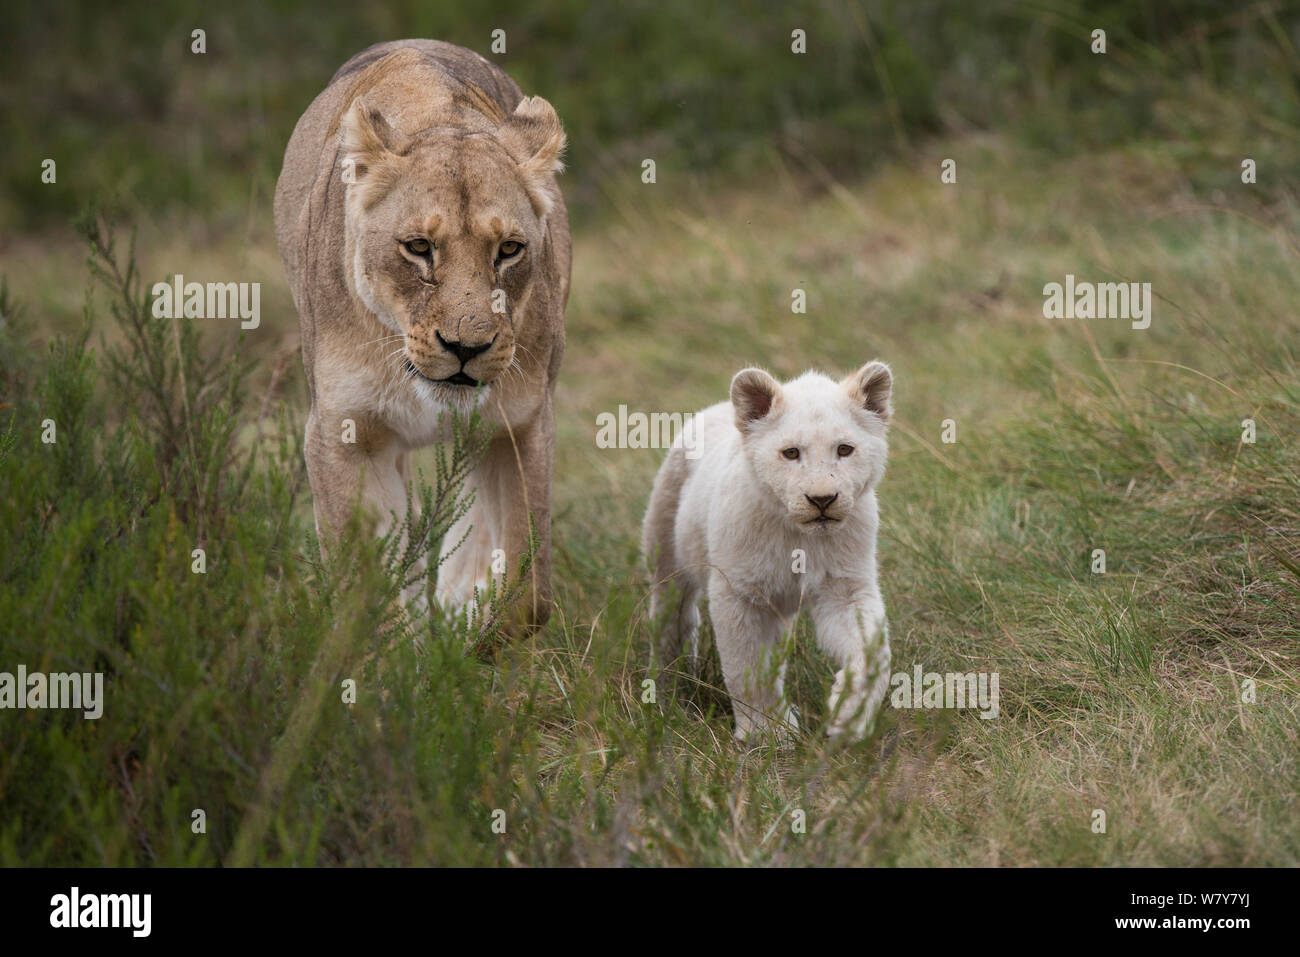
(728, 523)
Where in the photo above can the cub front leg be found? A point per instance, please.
(853, 631)
(748, 637)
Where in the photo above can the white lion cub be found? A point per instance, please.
(767, 504)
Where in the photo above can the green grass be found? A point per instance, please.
(119, 101)
(1119, 691)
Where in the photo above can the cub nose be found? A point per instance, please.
(462, 351)
(823, 502)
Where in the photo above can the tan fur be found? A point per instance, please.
(442, 146)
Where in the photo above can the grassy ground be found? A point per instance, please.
(1121, 692)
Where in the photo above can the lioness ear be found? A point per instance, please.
(871, 387)
(754, 393)
(367, 139)
(534, 137)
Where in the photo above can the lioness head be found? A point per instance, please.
(446, 227)
(815, 444)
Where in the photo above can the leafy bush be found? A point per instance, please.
(222, 677)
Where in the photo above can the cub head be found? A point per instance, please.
(816, 445)
(446, 231)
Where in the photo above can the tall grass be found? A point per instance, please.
(1121, 692)
(147, 542)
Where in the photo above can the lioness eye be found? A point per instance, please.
(844, 450)
(418, 247)
(510, 248)
(790, 454)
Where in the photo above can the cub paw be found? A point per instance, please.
(852, 714)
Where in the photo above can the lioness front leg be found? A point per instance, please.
(510, 483)
(465, 565)
(748, 637)
(521, 464)
(853, 631)
(350, 461)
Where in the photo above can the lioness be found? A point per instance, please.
(777, 513)
(427, 247)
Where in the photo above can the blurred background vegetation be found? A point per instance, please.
(115, 95)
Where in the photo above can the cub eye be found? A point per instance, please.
(418, 247)
(510, 248)
(791, 454)
(844, 451)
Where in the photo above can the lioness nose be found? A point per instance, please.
(462, 351)
(823, 502)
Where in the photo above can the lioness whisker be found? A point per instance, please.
(399, 335)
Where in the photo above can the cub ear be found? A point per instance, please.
(872, 387)
(367, 139)
(754, 393)
(533, 136)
